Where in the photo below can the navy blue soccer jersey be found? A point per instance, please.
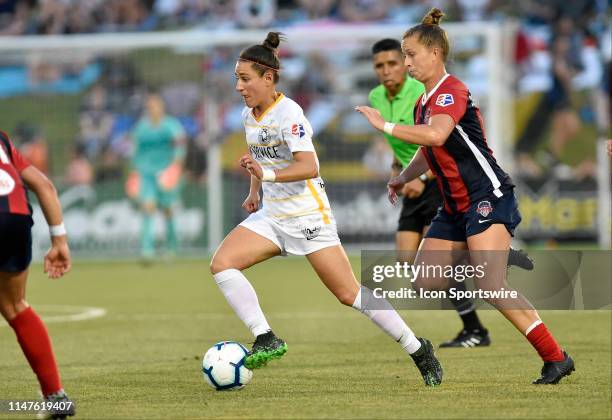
(464, 165)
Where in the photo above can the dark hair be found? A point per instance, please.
(430, 33)
(264, 56)
(386, 44)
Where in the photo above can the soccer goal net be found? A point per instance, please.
(71, 102)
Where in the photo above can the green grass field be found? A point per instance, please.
(142, 359)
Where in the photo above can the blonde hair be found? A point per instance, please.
(429, 32)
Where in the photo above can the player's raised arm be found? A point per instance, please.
(57, 260)
(435, 134)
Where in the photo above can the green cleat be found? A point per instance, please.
(266, 347)
(427, 363)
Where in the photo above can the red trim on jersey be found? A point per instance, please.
(450, 171)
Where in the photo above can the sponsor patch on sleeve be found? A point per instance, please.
(445, 99)
(298, 129)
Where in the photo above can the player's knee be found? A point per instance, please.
(219, 264)
(11, 307)
(347, 297)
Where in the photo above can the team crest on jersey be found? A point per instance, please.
(298, 129)
(311, 232)
(264, 135)
(7, 183)
(445, 99)
(484, 208)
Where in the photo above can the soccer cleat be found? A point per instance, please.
(266, 347)
(552, 372)
(465, 338)
(520, 258)
(59, 406)
(429, 366)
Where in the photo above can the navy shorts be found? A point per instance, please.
(418, 212)
(481, 215)
(15, 242)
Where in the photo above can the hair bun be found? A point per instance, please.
(433, 17)
(272, 40)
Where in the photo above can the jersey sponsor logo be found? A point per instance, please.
(311, 232)
(484, 208)
(298, 129)
(7, 183)
(264, 136)
(445, 99)
(264, 152)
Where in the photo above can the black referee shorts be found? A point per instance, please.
(15, 242)
(418, 212)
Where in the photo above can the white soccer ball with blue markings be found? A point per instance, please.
(223, 366)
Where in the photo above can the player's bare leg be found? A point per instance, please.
(241, 249)
(34, 340)
(406, 244)
(491, 247)
(334, 269)
(473, 333)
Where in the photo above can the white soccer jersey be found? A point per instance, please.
(272, 139)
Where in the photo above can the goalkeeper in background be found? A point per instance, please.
(157, 166)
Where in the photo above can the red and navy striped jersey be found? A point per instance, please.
(13, 193)
(464, 165)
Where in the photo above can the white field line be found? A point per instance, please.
(67, 313)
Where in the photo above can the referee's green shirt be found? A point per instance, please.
(399, 110)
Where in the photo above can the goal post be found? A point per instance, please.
(174, 59)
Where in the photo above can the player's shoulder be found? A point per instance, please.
(453, 83)
(171, 120)
(286, 104)
(245, 113)
(287, 107)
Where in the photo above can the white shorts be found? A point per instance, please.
(297, 236)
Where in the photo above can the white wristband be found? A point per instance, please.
(388, 128)
(57, 230)
(423, 177)
(268, 175)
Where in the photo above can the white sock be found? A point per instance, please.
(242, 298)
(387, 319)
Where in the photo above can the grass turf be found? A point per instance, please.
(143, 359)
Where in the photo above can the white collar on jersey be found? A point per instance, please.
(426, 97)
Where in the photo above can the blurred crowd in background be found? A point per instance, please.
(562, 56)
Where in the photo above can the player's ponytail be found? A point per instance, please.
(433, 17)
(264, 57)
(272, 41)
(429, 32)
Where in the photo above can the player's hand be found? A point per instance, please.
(414, 188)
(251, 165)
(58, 261)
(373, 115)
(251, 204)
(132, 185)
(394, 188)
(170, 177)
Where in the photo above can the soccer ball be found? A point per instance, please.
(223, 366)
